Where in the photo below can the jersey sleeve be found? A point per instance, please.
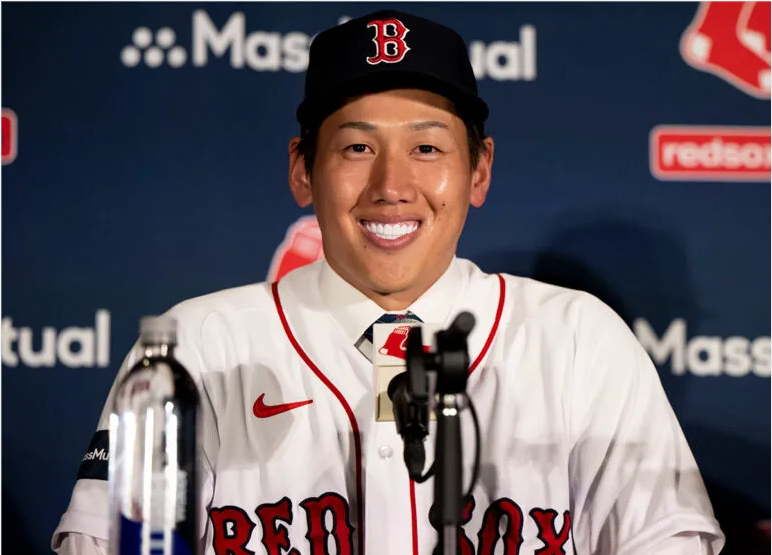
(88, 511)
(634, 482)
(77, 544)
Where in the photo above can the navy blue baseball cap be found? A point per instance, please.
(388, 50)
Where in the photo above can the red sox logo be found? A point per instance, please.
(302, 245)
(10, 133)
(732, 40)
(390, 45)
(396, 343)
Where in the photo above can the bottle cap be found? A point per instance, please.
(156, 330)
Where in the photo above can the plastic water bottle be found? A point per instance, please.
(154, 440)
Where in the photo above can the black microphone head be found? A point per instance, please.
(415, 360)
(463, 324)
(397, 382)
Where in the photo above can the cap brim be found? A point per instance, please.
(313, 111)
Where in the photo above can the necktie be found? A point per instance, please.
(365, 343)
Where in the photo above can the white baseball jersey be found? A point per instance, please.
(581, 452)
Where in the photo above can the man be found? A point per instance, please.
(581, 452)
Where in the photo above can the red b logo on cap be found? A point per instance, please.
(390, 45)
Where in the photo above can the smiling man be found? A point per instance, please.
(581, 451)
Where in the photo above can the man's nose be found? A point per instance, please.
(391, 179)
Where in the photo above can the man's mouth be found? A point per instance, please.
(391, 231)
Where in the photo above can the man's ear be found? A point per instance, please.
(481, 176)
(299, 180)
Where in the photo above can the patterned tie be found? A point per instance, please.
(365, 343)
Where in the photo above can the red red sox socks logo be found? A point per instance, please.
(302, 245)
(390, 45)
(732, 40)
(396, 342)
(233, 528)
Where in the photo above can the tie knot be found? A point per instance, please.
(408, 318)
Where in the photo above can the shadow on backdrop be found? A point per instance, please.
(637, 266)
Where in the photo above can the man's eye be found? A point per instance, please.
(427, 149)
(358, 148)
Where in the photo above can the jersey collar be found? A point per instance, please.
(355, 312)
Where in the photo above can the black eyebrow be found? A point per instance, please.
(423, 125)
(361, 125)
(416, 126)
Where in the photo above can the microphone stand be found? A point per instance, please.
(451, 363)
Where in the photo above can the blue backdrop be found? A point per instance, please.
(144, 152)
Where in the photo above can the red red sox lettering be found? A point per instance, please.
(233, 528)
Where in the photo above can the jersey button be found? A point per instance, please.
(385, 452)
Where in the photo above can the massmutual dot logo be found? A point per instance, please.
(513, 59)
(153, 49)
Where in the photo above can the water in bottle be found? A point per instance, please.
(154, 438)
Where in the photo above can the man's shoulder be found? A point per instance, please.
(571, 321)
(530, 299)
(245, 305)
(243, 298)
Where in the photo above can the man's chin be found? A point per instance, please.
(390, 286)
(388, 289)
(382, 277)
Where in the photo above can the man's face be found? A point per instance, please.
(391, 186)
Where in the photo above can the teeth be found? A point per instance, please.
(391, 231)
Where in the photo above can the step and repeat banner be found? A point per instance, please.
(144, 151)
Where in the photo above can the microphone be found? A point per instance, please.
(412, 419)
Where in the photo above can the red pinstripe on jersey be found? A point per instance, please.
(494, 328)
(346, 407)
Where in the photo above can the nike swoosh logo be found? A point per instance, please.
(261, 410)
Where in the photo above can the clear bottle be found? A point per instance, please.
(154, 441)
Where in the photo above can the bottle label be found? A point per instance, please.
(166, 499)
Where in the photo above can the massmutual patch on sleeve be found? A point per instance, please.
(94, 463)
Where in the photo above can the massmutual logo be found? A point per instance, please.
(74, 346)
(513, 60)
(98, 454)
(703, 355)
(154, 49)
